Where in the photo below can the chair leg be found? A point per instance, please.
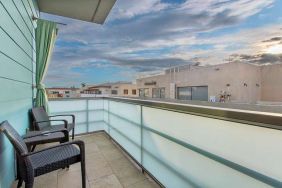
(29, 184)
(20, 182)
(33, 148)
(72, 133)
(83, 175)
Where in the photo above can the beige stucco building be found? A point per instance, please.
(120, 89)
(124, 90)
(237, 82)
(57, 92)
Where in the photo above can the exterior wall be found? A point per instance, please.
(107, 91)
(272, 83)
(121, 87)
(17, 65)
(161, 81)
(216, 77)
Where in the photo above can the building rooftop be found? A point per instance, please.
(62, 88)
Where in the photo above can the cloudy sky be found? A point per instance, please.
(150, 35)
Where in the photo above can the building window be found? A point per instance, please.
(125, 91)
(114, 92)
(199, 93)
(162, 93)
(67, 92)
(184, 93)
(158, 92)
(144, 92)
(134, 92)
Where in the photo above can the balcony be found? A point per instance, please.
(143, 143)
(177, 145)
(106, 166)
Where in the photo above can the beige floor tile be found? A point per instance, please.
(112, 154)
(86, 138)
(103, 143)
(121, 164)
(91, 147)
(74, 167)
(129, 176)
(95, 159)
(144, 184)
(107, 146)
(70, 179)
(46, 180)
(110, 181)
(95, 172)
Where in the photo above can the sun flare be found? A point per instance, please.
(275, 49)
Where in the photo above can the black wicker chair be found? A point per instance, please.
(41, 121)
(33, 164)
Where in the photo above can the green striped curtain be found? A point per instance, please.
(45, 36)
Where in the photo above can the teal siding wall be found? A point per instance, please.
(17, 65)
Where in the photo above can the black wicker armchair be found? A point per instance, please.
(41, 121)
(33, 164)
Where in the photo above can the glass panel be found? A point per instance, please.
(144, 92)
(124, 122)
(176, 166)
(114, 92)
(67, 106)
(95, 104)
(243, 144)
(97, 126)
(184, 93)
(156, 92)
(162, 93)
(106, 115)
(200, 93)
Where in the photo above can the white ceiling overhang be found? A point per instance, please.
(95, 11)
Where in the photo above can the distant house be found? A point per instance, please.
(57, 92)
(120, 89)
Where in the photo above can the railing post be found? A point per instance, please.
(141, 137)
(109, 118)
(87, 115)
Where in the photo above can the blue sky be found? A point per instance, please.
(141, 37)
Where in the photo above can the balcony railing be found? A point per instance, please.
(187, 145)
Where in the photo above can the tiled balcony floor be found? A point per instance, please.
(106, 167)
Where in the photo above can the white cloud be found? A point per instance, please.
(151, 25)
(130, 8)
(240, 8)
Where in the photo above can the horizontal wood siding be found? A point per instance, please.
(17, 65)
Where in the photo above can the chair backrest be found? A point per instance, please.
(39, 114)
(14, 138)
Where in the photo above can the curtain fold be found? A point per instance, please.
(45, 37)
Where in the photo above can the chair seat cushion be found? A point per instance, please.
(60, 126)
(55, 158)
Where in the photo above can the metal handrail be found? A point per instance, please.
(255, 118)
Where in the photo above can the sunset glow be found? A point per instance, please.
(276, 49)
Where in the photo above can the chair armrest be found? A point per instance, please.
(65, 122)
(65, 131)
(61, 115)
(79, 143)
